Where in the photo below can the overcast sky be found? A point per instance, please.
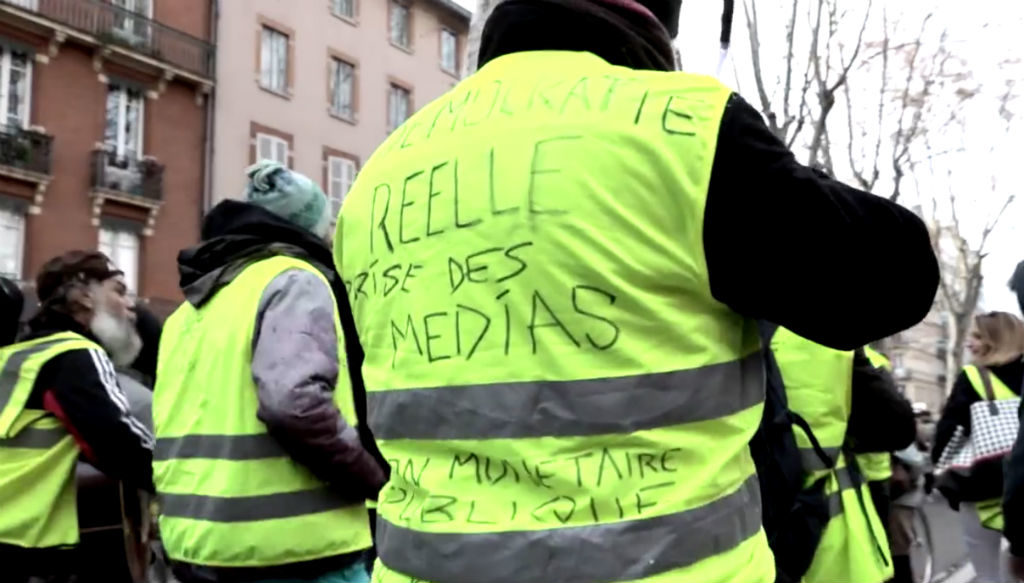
(983, 31)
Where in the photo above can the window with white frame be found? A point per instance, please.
(123, 133)
(449, 51)
(346, 8)
(29, 4)
(341, 173)
(15, 83)
(399, 104)
(12, 242)
(343, 88)
(401, 23)
(122, 246)
(131, 28)
(274, 60)
(273, 148)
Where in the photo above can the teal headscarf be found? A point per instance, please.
(289, 195)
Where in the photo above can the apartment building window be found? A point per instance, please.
(274, 60)
(449, 51)
(401, 24)
(15, 81)
(123, 133)
(399, 104)
(122, 246)
(343, 88)
(344, 8)
(12, 242)
(130, 27)
(341, 173)
(29, 4)
(270, 147)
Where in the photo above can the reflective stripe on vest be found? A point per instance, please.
(559, 396)
(37, 454)
(601, 553)
(35, 438)
(11, 372)
(579, 407)
(812, 462)
(215, 465)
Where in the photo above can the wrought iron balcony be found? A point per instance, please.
(25, 150)
(114, 25)
(143, 179)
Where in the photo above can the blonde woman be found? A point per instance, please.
(996, 343)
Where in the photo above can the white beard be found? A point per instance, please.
(118, 336)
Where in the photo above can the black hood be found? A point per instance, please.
(619, 35)
(235, 234)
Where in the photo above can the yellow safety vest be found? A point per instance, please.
(990, 512)
(876, 466)
(37, 455)
(558, 394)
(818, 384)
(230, 495)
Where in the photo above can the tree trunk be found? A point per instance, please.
(476, 28)
(960, 324)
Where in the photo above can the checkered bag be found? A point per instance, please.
(994, 426)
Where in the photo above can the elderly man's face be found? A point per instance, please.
(113, 320)
(112, 297)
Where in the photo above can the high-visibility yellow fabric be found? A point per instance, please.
(38, 506)
(559, 395)
(231, 496)
(818, 380)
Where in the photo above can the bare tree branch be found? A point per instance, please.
(750, 10)
(826, 89)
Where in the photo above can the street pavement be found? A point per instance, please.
(947, 539)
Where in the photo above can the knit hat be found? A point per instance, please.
(666, 11)
(60, 273)
(289, 195)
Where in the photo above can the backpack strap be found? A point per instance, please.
(800, 422)
(767, 332)
(857, 478)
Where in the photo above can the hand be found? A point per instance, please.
(1017, 567)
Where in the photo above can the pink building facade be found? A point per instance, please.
(318, 85)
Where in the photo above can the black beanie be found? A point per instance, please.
(667, 11)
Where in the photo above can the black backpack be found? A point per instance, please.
(794, 517)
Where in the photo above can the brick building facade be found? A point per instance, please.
(104, 140)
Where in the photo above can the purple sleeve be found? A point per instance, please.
(296, 369)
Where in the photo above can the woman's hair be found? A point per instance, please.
(1002, 337)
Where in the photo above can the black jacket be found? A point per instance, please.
(881, 419)
(1013, 486)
